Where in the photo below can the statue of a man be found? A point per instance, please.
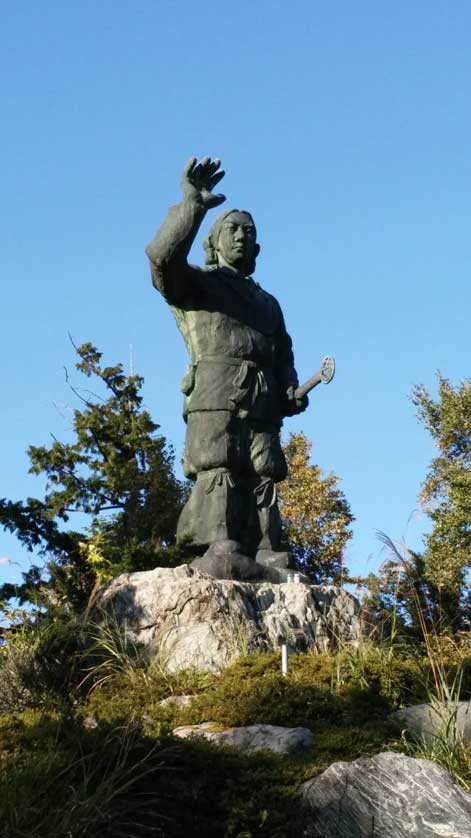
(241, 380)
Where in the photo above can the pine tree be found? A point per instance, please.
(117, 472)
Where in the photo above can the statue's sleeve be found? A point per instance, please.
(168, 252)
(285, 370)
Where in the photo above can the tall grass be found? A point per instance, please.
(107, 650)
(81, 784)
(446, 659)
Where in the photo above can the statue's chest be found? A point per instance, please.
(230, 318)
(239, 303)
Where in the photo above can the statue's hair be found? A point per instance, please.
(210, 242)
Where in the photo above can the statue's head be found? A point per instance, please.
(232, 242)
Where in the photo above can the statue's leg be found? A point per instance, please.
(269, 465)
(214, 514)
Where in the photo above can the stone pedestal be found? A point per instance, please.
(190, 619)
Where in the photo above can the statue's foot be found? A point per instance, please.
(230, 566)
(225, 560)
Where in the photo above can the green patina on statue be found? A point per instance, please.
(240, 384)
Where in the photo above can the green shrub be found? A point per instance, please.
(38, 666)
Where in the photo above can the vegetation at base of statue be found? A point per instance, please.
(86, 747)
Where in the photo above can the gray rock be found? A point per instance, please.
(89, 723)
(187, 619)
(426, 722)
(386, 796)
(177, 701)
(279, 740)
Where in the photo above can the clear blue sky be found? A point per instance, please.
(343, 127)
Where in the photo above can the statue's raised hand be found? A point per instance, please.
(199, 179)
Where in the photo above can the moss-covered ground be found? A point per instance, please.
(102, 761)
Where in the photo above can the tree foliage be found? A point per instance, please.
(446, 492)
(429, 591)
(117, 472)
(316, 515)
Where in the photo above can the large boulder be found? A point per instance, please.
(427, 722)
(279, 740)
(386, 796)
(189, 619)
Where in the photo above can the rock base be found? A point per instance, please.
(189, 619)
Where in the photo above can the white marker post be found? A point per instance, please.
(284, 659)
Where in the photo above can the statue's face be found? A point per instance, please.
(237, 246)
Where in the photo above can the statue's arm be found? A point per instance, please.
(168, 251)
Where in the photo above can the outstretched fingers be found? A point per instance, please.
(190, 167)
(206, 167)
(213, 165)
(201, 169)
(201, 178)
(214, 180)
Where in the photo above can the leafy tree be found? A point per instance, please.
(118, 472)
(316, 515)
(446, 493)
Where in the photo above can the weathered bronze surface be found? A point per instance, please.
(240, 384)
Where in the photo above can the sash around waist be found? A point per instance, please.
(228, 360)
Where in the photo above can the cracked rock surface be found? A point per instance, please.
(189, 619)
(386, 796)
(279, 740)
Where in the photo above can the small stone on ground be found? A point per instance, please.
(279, 740)
(177, 701)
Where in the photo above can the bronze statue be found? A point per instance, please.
(240, 384)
